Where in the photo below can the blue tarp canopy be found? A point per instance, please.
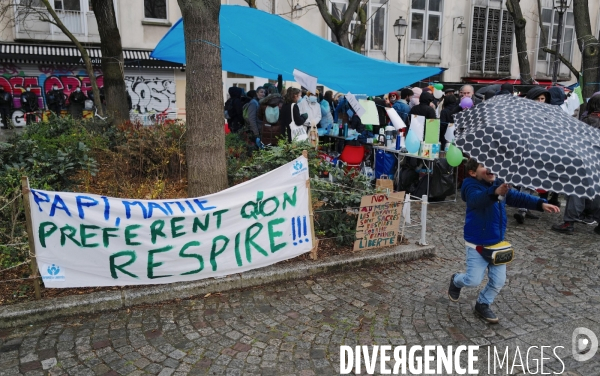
(261, 44)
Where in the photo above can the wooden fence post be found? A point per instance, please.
(313, 251)
(34, 266)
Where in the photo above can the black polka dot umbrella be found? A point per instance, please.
(532, 144)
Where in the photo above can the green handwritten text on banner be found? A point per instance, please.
(89, 240)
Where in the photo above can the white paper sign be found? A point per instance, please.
(417, 125)
(306, 80)
(395, 118)
(86, 240)
(449, 136)
(355, 104)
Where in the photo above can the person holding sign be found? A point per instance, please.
(290, 113)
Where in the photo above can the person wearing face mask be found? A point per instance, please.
(6, 108)
(311, 107)
(55, 100)
(29, 104)
(76, 103)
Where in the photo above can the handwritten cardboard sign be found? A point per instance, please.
(84, 240)
(360, 110)
(378, 221)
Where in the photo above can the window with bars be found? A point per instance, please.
(491, 41)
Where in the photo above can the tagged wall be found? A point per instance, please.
(151, 90)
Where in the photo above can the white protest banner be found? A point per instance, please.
(395, 118)
(356, 107)
(86, 240)
(306, 80)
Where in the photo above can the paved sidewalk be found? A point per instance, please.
(297, 328)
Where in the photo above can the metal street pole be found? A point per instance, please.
(399, 47)
(561, 13)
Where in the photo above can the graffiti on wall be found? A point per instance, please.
(149, 93)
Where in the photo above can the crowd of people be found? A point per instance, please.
(56, 101)
(268, 115)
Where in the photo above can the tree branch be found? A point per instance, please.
(251, 3)
(84, 55)
(563, 60)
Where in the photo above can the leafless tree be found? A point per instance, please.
(23, 11)
(205, 150)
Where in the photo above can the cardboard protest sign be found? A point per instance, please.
(360, 111)
(89, 240)
(378, 221)
(306, 80)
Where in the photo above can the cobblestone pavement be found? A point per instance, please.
(297, 328)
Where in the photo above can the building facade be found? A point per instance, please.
(473, 39)
(37, 54)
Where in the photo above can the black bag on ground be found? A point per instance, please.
(441, 182)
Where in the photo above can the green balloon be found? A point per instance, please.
(439, 86)
(454, 156)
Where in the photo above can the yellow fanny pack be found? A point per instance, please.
(496, 254)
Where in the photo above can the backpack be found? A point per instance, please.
(272, 114)
(245, 112)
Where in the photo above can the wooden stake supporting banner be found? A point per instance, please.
(311, 214)
(34, 265)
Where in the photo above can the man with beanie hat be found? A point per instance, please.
(506, 89)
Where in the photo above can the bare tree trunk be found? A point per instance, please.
(514, 8)
(112, 61)
(339, 28)
(360, 31)
(84, 55)
(205, 148)
(251, 3)
(589, 47)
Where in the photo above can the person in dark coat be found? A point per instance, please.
(557, 96)
(286, 116)
(55, 99)
(270, 130)
(451, 107)
(424, 107)
(506, 89)
(6, 108)
(381, 113)
(538, 94)
(29, 104)
(235, 109)
(76, 103)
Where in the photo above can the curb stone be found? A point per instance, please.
(37, 311)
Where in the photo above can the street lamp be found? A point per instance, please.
(461, 26)
(400, 30)
(561, 7)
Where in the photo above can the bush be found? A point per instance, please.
(51, 154)
(333, 202)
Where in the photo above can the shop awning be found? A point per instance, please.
(261, 44)
(68, 55)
